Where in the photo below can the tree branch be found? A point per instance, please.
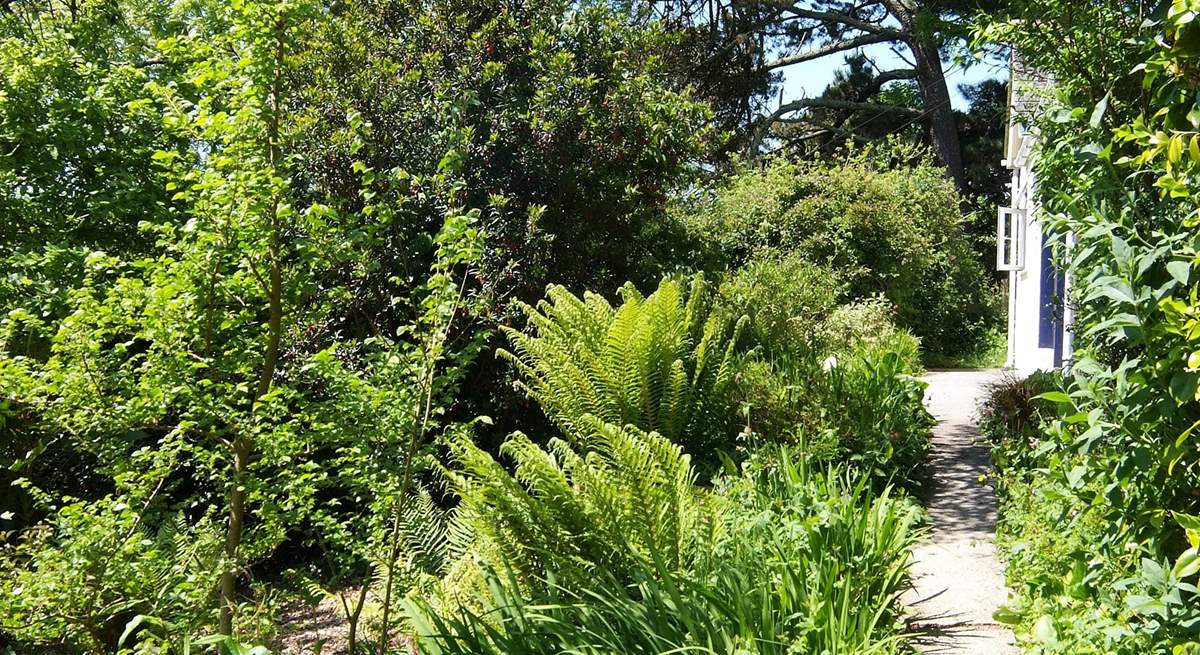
(829, 49)
(829, 103)
(760, 132)
(890, 76)
(842, 18)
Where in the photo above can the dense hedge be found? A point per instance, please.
(895, 231)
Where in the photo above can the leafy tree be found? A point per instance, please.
(809, 31)
(981, 128)
(718, 53)
(205, 372)
(858, 106)
(553, 114)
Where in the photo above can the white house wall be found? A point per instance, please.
(1024, 301)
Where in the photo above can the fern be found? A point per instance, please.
(664, 362)
(627, 501)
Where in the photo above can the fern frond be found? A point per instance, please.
(663, 362)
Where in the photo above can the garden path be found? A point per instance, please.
(958, 582)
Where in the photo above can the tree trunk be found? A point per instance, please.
(943, 130)
(233, 534)
(935, 96)
(243, 446)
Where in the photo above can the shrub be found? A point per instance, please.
(1012, 418)
(895, 231)
(882, 422)
(555, 113)
(96, 566)
(664, 362)
(797, 559)
(864, 410)
(609, 501)
(868, 326)
(786, 298)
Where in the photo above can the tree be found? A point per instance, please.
(202, 362)
(555, 115)
(791, 32)
(810, 30)
(842, 114)
(718, 54)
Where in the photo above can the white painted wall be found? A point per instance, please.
(1024, 284)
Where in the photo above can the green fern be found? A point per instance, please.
(626, 500)
(664, 362)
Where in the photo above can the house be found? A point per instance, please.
(1039, 318)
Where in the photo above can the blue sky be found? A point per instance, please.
(809, 79)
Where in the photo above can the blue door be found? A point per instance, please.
(1052, 302)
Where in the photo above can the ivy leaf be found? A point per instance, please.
(1183, 386)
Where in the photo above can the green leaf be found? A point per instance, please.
(1008, 616)
(1075, 476)
(1055, 397)
(1180, 271)
(1099, 111)
(1146, 605)
(1184, 385)
(1188, 563)
(1044, 630)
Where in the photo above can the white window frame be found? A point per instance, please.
(1010, 239)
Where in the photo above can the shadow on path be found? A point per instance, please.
(957, 580)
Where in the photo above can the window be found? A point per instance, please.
(1010, 238)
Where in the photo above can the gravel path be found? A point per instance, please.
(958, 581)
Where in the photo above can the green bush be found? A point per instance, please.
(664, 362)
(787, 299)
(895, 231)
(95, 567)
(848, 392)
(1115, 480)
(1012, 418)
(867, 326)
(554, 113)
(796, 559)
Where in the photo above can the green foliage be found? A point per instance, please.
(869, 326)
(895, 231)
(619, 499)
(796, 560)
(72, 99)
(1117, 467)
(863, 409)
(83, 577)
(208, 373)
(251, 251)
(663, 362)
(1013, 417)
(787, 299)
(553, 113)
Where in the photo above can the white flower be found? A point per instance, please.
(830, 363)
